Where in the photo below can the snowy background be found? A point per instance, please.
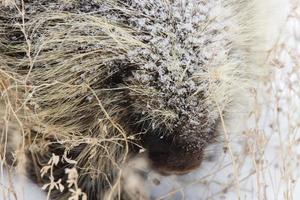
(265, 158)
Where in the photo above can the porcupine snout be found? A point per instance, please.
(171, 87)
(175, 144)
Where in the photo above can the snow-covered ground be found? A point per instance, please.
(266, 155)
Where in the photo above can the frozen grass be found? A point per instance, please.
(266, 155)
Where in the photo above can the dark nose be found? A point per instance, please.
(169, 155)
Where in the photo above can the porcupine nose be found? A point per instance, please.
(169, 155)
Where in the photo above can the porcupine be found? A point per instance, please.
(95, 81)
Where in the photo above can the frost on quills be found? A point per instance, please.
(93, 83)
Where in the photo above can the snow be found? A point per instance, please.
(23, 189)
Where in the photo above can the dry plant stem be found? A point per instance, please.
(28, 43)
(234, 164)
(109, 118)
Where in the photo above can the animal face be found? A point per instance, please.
(175, 128)
(170, 84)
(175, 119)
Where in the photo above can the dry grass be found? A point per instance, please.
(19, 91)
